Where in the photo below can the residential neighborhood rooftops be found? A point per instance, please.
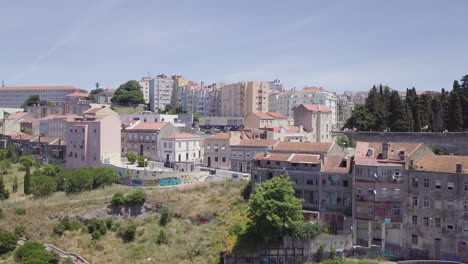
(270, 115)
(396, 150)
(289, 157)
(256, 143)
(309, 147)
(43, 139)
(443, 163)
(337, 164)
(94, 110)
(28, 120)
(17, 116)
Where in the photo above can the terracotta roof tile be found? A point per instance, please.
(77, 94)
(442, 163)
(289, 157)
(317, 107)
(149, 126)
(303, 147)
(29, 120)
(17, 116)
(334, 163)
(43, 139)
(35, 88)
(373, 150)
(270, 115)
(94, 110)
(58, 142)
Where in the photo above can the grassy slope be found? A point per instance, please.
(188, 240)
(127, 110)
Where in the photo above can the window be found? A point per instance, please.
(438, 184)
(414, 239)
(384, 191)
(216, 159)
(465, 228)
(180, 144)
(370, 191)
(450, 186)
(437, 222)
(426, 183)
(426, 221)
(382, 210)
(94, 130)
(165, 144)
(345, 183)
(426, 202)
(465, 187)
(450, 227)
(359, 191)
(370, 210)
(437, 204)
(415, 201)
(414, 219)
(414, 183)
(224, 159)
(396, 193)
(310, 182)
(396, 210)
(234, 154)
(450, 205)
(461, 246)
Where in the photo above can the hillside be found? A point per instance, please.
(196, 233)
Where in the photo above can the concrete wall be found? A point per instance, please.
(453, 142)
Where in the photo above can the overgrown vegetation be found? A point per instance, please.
(439, 150)
(7, 241)
(136, 197)
(34, 252)
(128, 94)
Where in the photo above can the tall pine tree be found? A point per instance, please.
(455, 115)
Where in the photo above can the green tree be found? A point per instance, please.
(27, 162)
(455, 115)
(32, 100)
(94, 92)
(34, 252)
(274, 209)
(43, 186)
(343, 141)
(361, 119)
(10, 153)
(15, 184)
(5, 166)
(131, 157)
(128, 94)
(196, 117)
(142, 161)
(375, 104)
(4, 193)
(439, 150)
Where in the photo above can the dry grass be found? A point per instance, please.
(189, 241)
(127, 110)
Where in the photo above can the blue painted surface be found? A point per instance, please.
(169, 182)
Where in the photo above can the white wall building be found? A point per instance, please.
(144, 83)
(181, 147)
(160, 92)
(285, 102)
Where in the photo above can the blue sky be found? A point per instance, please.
(339, 45)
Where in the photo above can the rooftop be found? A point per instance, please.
(77, 94)
(94, 110)
(442, 163)
(317, 107)
(303, 147)
(373, 150)
(43, 139)
(257, 143)
(270, 115)
(28, 120)
(337, 164)
(289, 157)
(149, 125)
(181, 136)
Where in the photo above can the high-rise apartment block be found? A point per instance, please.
(15, 96)
(243, 98)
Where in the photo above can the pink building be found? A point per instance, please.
(91, 139)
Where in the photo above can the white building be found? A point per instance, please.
(14, 97)
(160, 92)
(179, 120)
(144, 83)
(315, 119)
(181, 147)
(285, 102)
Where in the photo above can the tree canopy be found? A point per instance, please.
(128, 94)
(385, 110)
(32, 100)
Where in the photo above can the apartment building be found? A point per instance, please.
(217, 149)
(91, 140)
(15, 96)
(160, 92)
(436, 219)
(315, 148)
(143, 138)
(325, 185)
(179, 81)
(243, 98)
(54, 125)
(178, 120)
(268, 119)
(101, 111)
(105, 96)
(285, 102)
(380, 191)
(243, 152)
(316, 119)
(145, 84)
(221, 122)
(181, 147)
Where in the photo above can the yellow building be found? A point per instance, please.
(243, 98)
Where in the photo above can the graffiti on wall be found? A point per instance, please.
(450, 256)
(416, 253)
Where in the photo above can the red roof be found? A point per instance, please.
(17, 116)
(303, 147)
(109, 91)
(58, 142)
(94, 110)
(78, 94)
(257, 143)
(43, 139)
(289, 157)
(270, 115)
(35, 88)
(128, 123)
(21, 136)
(317, 107)
(181, 136)
(28, 120)
(278, 129)
(150, 125)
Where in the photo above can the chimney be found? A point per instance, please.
(301, 128)
(385, 147)
(459, 167)
(60, 141)
(265, 154)
(39, 139)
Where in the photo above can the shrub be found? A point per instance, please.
(20, 211)
(4, 193)
(19, 230)
(68, 261)
(162, 237)
(127, 233)
(109, 223)
(96, 235)
(34, 252)
(136, 197)
(7, 241)
(103, 177)
(1, 213)
(42, 186)
(165, 217)
(97, 224)
(118, 199)
(59, 229)
(142, 162)
(75, 225)
(5, 166)
(307, 230)
(85, 179)
(131, 157)
(65, 222)
(439, 150)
